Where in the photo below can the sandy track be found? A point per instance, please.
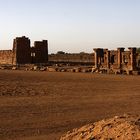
(42, 105)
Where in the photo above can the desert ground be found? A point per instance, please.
(44, 105)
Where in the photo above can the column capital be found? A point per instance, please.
(132, 48)
(97, 49)
(120, 49)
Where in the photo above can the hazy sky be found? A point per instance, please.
(71, 25)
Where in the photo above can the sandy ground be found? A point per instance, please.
(43, 106)
(125, 127)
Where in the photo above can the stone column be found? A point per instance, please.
(108, 59)
(120, 50)
(14, 50)
(96, 57)
(133, 58)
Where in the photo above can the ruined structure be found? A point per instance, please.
(6, 56)
(104, 60)
(75, 58)
(23, 53)
(39, 52)
(116, 61)
(21, 50)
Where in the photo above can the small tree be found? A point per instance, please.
(60, 52)
(82, 53)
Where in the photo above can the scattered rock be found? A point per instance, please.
(78, 70)
(2, 68)
(43, 69)
(51, 69)
(35, 68)
(84, 70)
(14, 68)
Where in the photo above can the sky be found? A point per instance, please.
(71, 25)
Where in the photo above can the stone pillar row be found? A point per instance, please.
(98, 56)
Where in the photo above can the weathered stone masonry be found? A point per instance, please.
(23, 53)
(85, 58)
(21, 50)
(117, 61)
(6, 56)
(107, 61)
(39, 52)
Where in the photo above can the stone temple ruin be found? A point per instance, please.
(101, 61)
(23, 53)
(116, 61)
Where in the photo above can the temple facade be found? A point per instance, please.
(116, 61)
(23, 53)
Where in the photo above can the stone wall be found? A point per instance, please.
(77, 57)
(116, 60)
(40, 52)
(138, 61)
(22, 50)
(6, 57)
(23, 53)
